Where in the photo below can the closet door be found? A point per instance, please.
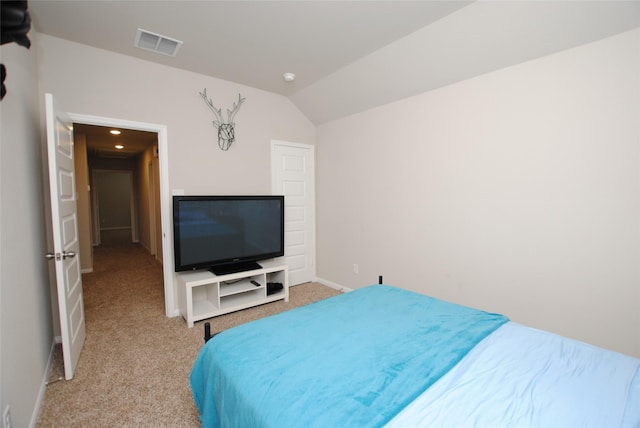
(292, 172)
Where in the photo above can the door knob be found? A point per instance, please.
(58, 256)
(68, 254)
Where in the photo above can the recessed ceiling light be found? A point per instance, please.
(289, 77)
(115, 132)
(119, 146)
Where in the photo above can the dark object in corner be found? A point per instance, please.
(3, 73)
(207, 332)
(273, 287)
(15, 24)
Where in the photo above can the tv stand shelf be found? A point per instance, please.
(205, 295)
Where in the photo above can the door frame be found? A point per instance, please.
(171, 309)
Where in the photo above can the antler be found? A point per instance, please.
(217, 112)
(236, 107)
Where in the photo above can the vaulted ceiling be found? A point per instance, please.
(348, 56)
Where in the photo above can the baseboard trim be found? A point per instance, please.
(334, 285)
(43, 385)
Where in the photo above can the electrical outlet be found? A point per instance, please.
(356, 269)
(6, 417)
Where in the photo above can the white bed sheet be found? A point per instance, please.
(523, 377)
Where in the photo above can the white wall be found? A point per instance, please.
(95, 82)
(517, 192)
(90, 81)
(26, 335)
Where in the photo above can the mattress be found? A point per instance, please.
(384, 356)
(350, 360)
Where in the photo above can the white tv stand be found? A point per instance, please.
(204, 295)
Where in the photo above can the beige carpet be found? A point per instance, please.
(134, 368)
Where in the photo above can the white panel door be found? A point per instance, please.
(292, 171)
(62, 186)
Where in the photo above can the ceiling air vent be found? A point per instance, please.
(157, 43)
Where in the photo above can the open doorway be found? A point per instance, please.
(164, 241)
(141, 158)
(121, 171)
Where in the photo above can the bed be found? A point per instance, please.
(384, 356)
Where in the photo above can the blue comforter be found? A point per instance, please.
(353, 360)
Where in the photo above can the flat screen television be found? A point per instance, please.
(227, 234)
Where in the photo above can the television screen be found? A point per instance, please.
(227, 233)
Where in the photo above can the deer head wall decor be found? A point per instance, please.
(226, 131)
